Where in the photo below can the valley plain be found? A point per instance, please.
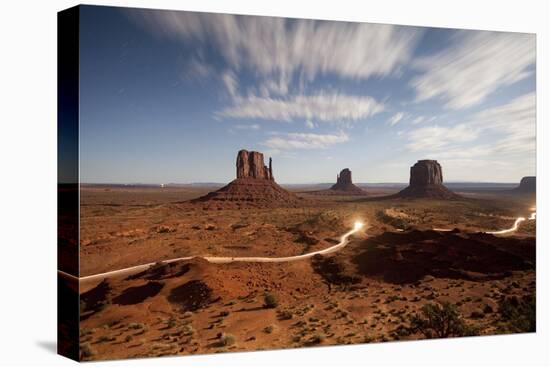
(412, 257)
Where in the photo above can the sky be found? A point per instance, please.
(171, 97)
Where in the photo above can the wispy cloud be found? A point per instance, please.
(252, 127)
(510, 127)
(418, 120)
(436, 137)
(324, 107)
(295, 141)
(279, 49)
(231, 83)
(473, 66)
(396, 118)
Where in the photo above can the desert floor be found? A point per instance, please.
(370, 291)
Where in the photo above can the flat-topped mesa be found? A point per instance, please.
(344, 184)
(528, 184)
(344, 177)
(426, 172)
(426, 180)
(251, 165)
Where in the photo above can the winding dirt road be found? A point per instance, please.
(344, 239)
(514, 228)
(225, 259)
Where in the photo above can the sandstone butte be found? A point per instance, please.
(254, 186)
(344, 185)
(426, 181)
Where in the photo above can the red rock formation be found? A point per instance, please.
(426, 180)
(251, 165)
(426, 172)
(344, 178)
(253, 187)
(528, 184)
(344, 185)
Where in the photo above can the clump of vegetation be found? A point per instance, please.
(86, 351)
(136, 326)
(105, 339)
(315, 340)
(285, 315)
(440, 321)
(226, 340)
(382, 217)
(519, 314)
(487, 309)
(477, 315)
(164, 229)
(269, 329)
(270, 300)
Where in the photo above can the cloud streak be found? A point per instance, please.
(510, 127)
(323, 107)
(474, 65)
(396, 118)
(295, 141)
(280, 49)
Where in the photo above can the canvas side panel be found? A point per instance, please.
(68, 183)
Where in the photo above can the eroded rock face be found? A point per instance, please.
(426, 181)
(426, 172)
(344, 177)
(253, 187)
(527, 184)
(344, 184)
(251, 165)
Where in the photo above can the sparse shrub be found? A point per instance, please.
(164, 229)
(270, 300)
(368, 339)
(226, 340)
(171, 323)
(105, 338)
(135, 326)
(519, 314)
(402, 331)
(382, 217)
(477, 315)
(86, 351)
(82, 306)
(440, 321)
(188, 330)
(285, 315)
(187, 314)
(316, 339)
(128, 338)
(269, 329)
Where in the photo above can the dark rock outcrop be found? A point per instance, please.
(528, 185)
(410, 256)
(344, 178)
(253, 187)
(344, 184)
(426, 181)
(426, 172)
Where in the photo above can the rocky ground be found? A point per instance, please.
(383, 286)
